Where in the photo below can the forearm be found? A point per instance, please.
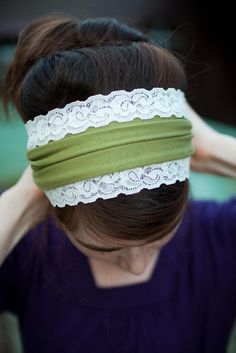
(21, 208)
(214, 152)
(16, 209)
(221, 157)
(224, 150)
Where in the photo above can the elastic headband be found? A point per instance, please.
(87, 142)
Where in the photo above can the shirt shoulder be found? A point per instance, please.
(207, 242)
(214, 223)
(35, 254)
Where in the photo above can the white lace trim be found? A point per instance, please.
(126, 182)
(100, 110)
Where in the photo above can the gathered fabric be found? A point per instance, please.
(108, 149)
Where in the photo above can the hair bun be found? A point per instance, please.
(50, 34)
(99, 31)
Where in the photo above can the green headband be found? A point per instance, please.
(115, 147)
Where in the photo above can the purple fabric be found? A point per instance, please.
(188, 306)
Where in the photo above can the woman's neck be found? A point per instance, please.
(107, 274)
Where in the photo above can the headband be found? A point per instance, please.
(110, 144)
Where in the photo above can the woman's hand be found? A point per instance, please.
(214, 152)
(22, 207)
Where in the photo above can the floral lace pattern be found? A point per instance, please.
(100, 110)
(125, 182)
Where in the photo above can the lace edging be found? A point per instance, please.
(125, 182)
(99, 110)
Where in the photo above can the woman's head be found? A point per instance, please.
(59, 60)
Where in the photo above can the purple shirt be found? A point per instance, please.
(188, 306)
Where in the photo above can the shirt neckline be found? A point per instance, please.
(158, 288)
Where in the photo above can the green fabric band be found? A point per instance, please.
(115, 147)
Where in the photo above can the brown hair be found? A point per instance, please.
(59, 60)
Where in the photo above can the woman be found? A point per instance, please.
(135, 272)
